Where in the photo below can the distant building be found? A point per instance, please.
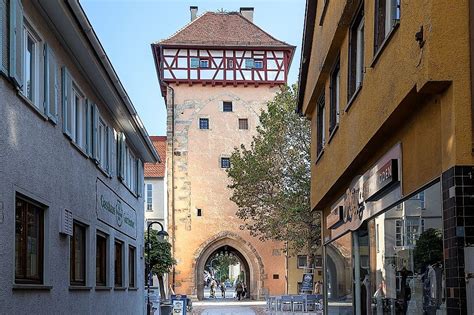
(388, 86)
(216, 75)
(72, 150)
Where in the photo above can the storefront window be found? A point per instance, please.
(339, 275)
(407, 272)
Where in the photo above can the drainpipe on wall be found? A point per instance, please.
(471, 48)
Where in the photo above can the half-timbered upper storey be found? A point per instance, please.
(223, 48)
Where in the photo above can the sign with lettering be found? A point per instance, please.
(363, 198)
(307, 283)
(114, 211)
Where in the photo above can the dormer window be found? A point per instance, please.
(258, 64)
(204, 63)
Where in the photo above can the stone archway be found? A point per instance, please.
(247, 252)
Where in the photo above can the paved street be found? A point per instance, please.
(226, 307)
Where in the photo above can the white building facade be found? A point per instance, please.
(72, 150)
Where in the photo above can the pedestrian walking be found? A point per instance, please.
(223, 290)
(213, 288)
(239, 288)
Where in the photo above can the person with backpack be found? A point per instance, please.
(239, 288)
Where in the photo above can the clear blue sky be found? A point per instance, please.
(126, 28)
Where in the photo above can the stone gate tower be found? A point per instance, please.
(216, 75)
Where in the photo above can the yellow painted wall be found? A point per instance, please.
(419, 97)
(295, 275)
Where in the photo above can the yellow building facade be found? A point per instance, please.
(387, 85)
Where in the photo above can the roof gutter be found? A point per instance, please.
(88, 30)
(306, 47)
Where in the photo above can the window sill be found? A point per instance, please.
(31, 105)
(78, 148)
(132, 289)
(129, 189)
(353, 97)
(320, 155)
(103, 171)
(40, 287)
(120, 288)
(384, 44)
(103, 288)
(79, 288)
(333, 132)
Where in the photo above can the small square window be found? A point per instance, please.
(225, 162)
(243, 123)
(258, 64)
(203, 123)
(194, 62)
(203, 63)
(227, 106)
(249, 63)
(199, 212)
(302, 261)
(230, 63)
(276, 277)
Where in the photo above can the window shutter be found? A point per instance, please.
(67, 102)
(16, 42)
(140, 179)
(88, 128)
(50, 84)
(249, 63)
(121, 156)
(110, 146)
(3, 37)
(95, 133)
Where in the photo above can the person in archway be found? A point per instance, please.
(222, 286)
(213, 288)
(239, 288)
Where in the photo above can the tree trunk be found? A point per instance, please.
(162, 287)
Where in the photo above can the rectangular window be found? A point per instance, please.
(335, 97)
(203, 63)
(243, 123)
(149, 197)
(225, 162)
(356, 53)
(194, 62)
(118, 264)
(130, 173)
(412, 231)
(199, 212)
(302, 261)
(79, 120)
(131, 266)
(320, 125)
(387, 15)
(249, 64)
(29, 231)
(103, 147)
(203, 123)
(226, 106)
(31, 68)
(101, 260)
(78, 255)
(258, 64)
(230, 63)
(398, 233)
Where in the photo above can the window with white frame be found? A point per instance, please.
(387, 16)
(356, 53)
(320, 125)
(130, 169)
(31, 65)
(398, 232)
(335, 97)
(302, 261)
(149, 197)
(258, 64)
(79, 116)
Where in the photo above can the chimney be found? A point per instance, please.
(194, 11)
(247, 13)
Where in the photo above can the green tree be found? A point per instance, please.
(222, 265)
(161, 259)
(429, 249)
(271, 179)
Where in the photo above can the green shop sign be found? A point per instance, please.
(114, 211)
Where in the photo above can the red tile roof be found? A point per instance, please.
(223, 29)
(157, 169)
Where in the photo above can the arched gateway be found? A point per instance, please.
(244, 251)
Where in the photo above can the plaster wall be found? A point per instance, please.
(200, 182)
(38, 161)
(159, 209)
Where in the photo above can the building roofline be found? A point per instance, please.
(306, 47)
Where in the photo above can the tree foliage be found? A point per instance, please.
(429, 249)
(161, 258)
(270, 180)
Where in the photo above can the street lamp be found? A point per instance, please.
(162, 235)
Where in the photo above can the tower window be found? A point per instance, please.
(194, 62)
(227, 106)
(258, 64)
(230, 63)
(225, 162)
(199, 212)
(203, 63)
(243, 123)
(203, 123)
(249, 64)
